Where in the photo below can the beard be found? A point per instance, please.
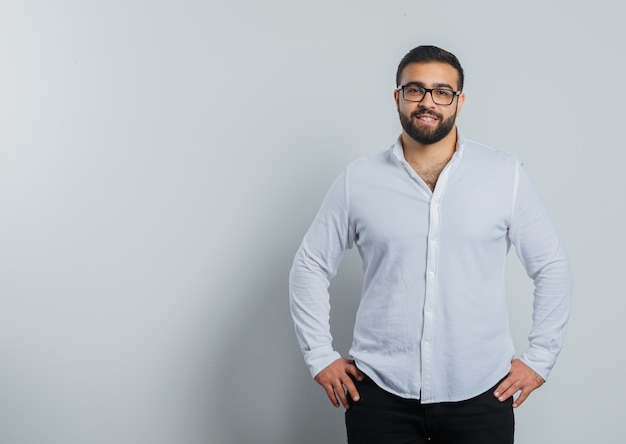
(426, 136)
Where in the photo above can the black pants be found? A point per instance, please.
(382, 418)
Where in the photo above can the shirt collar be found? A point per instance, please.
(398, 151)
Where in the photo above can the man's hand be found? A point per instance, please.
(335, 378)
(520, 377)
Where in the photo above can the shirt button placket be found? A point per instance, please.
(429, 303)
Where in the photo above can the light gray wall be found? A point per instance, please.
(161, 160)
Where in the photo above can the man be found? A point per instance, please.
(433, 219)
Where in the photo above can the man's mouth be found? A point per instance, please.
(426, 118)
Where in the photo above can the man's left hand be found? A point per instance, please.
(520, 377)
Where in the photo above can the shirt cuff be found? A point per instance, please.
(540, 361)
(318, 359)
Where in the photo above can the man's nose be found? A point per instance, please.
(428, 100)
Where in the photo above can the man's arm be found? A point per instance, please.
(315, 263)
(541, 252)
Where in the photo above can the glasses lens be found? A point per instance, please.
(443, 96)
(413, 93)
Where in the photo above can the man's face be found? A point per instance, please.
(427, 122)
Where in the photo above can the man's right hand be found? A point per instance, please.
(335, 378)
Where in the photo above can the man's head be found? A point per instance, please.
(428, 97)
(425, 54)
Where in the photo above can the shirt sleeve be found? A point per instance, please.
(541, 252)
(315, 263)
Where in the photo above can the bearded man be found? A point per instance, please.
(433, 218)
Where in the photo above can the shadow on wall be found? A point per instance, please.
(263, 391)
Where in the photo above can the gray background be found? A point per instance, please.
(160, 162)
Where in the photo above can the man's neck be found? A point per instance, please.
(428, 154)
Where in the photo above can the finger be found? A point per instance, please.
(352, 390)
(330, 392)
(341, 393)
(520, 399)
(526, 391)
(354, 371)
(507, 391)
(510, 392)
(503, 387)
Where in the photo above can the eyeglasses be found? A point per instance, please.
(415, 93)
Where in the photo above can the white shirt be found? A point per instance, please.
(432, 323)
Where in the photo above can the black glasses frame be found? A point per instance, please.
(428, 90)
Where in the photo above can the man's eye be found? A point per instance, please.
(414, 90)
(443, 92)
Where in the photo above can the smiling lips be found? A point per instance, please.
(426, 117)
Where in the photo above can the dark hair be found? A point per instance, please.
(426, 53)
